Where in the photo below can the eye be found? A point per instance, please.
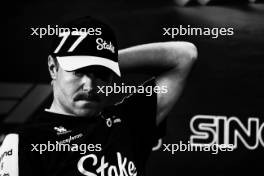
(98, 72)
(104, 75)
(77, 73)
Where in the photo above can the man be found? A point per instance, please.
(80, 134)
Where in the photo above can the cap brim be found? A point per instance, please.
(71, 63)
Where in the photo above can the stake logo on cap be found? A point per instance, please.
(86, 42)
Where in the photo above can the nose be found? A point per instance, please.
(88, 82)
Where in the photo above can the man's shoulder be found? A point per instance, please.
(33, 128)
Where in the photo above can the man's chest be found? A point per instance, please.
(108, 147)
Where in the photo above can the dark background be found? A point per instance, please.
(227, 79)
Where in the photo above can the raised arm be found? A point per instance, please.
(170, 62)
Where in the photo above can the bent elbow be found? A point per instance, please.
(193, 52)
(186, 52)
(190, 51)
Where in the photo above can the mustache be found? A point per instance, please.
(89, 96)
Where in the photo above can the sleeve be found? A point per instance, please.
(9, 155)
(139, 110)
(16, 157)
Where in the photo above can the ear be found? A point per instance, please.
(53, 67)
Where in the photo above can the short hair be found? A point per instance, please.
(55, 60)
